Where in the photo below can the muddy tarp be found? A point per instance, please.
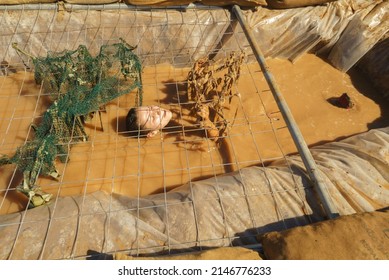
(245, 3)
(376, 65)
(287, 4)
(223, 253)
(359, 236)
(220, 211)
(363, 31)
(345, 30)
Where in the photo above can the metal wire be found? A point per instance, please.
(168, 42)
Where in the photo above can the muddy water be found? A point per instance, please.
(115, 163)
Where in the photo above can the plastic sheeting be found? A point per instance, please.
(167, 36)
(344, 29)
(286, 4)
(363, 31)
(220, 211)
(248, 3)
(376, 65)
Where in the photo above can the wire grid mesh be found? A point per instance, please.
(168, 42)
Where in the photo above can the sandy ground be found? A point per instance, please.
(115, 163)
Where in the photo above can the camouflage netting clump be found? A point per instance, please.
(79, 84)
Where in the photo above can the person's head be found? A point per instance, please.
(147, 120)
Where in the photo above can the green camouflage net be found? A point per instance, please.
(80, 85)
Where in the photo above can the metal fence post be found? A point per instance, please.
(298, 139)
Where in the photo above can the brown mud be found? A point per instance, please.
(115, 163)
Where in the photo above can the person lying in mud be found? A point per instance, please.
(146, 121)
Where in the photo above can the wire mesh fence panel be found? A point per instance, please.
(116, 192)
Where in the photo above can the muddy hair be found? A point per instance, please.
(132, 125)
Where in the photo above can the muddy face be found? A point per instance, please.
(152, 118)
